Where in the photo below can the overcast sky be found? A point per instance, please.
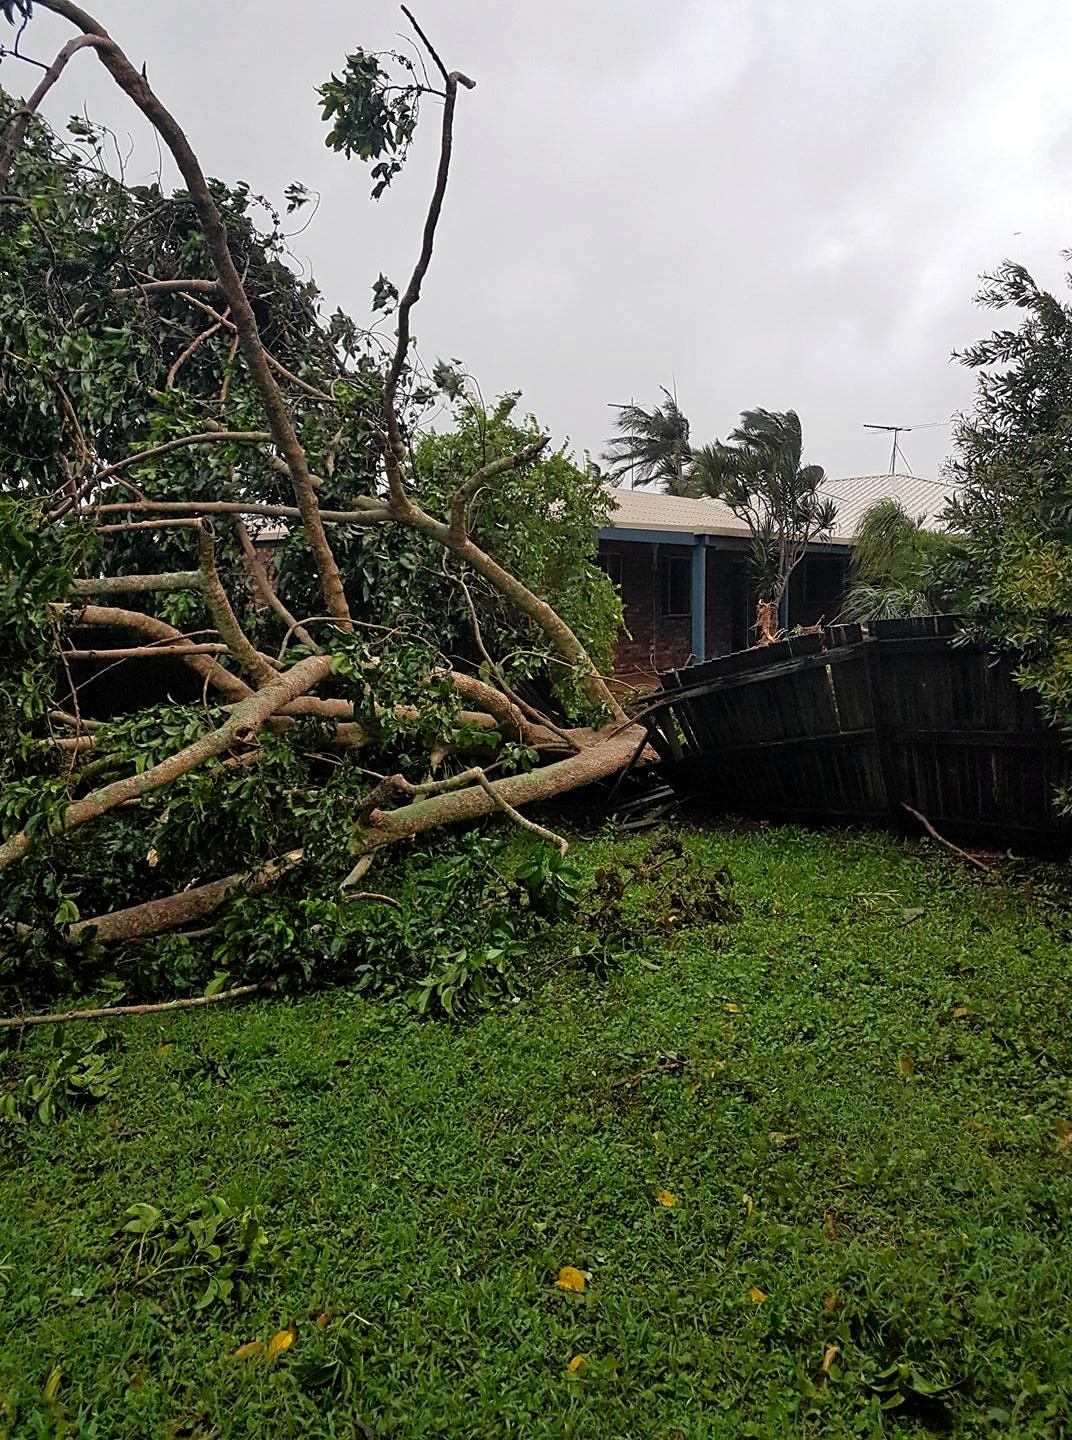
(759, 202)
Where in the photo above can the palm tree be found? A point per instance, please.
(652, 445)
(761, 476)
(896, 567)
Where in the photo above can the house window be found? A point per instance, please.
(824, 578)
(677, 585)
(610, 562)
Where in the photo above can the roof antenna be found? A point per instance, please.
(895, 430)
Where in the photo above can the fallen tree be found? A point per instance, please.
(423, 641)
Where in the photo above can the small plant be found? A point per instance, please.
(552, 883)
(78, 1074)
(902, 1386)
(212, 1245)
(468, 979)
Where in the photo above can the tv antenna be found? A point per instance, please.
(895, 430)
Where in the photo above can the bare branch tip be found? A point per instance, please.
(408, 13)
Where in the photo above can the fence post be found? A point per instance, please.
(699, 599)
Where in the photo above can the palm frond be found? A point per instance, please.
(651, 445)
(887, 543)
(893, 601)
(758, 473)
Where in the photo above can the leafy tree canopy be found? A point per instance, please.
(1014, 505)
(652, 445)
(899, 568)
(761, 475)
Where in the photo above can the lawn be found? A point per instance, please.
(840, 1207)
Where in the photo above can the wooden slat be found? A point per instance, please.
(851, 723)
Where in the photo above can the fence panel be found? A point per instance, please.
(851, 724)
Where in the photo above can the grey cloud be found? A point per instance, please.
(764, 202)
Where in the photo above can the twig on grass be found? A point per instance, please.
(667, 1067)
(933, 833)
(60, 1017)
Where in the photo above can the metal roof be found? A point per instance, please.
(853, 495)
(651, 510)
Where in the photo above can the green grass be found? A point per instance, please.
(872, 1140)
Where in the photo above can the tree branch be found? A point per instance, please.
(530, 711)
(61, 1017)
(265, 591)
(933, 833)
(459, 510)
(164, 583)
(21, 120)
(155, 917)
(395, 452)
(156, 630)
(148, 652)
(165, 287)
(608, 752)
(204, 437)
(236, 639)
(426, 43)
(372, 514)
(243, 721)
(225, 323)
(516, 816)
(194, 345)
(215, 232)
(544, 616)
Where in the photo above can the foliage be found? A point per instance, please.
(211, 1245)
(652, 445)
(370, 117)
(759, 473)
(77, 1071)
(453, 935)
(894, 1181)
(678, 894)
(898, 567)
(1014, 506)
(540, 522)
(95, 370)
(36, 567)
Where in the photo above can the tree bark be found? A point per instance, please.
(154, 917)
(246, 717)
(608, 753)
(111, 616)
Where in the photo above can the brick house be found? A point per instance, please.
(683, 572)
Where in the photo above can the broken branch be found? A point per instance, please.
(61, 1017)
(933, 833)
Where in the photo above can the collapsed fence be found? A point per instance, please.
(858, 722)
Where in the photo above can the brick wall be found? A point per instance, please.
(653, 641)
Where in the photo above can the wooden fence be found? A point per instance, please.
(851, 724)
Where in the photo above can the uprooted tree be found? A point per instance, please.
(421, 643)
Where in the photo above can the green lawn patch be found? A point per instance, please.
(812, 1165)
